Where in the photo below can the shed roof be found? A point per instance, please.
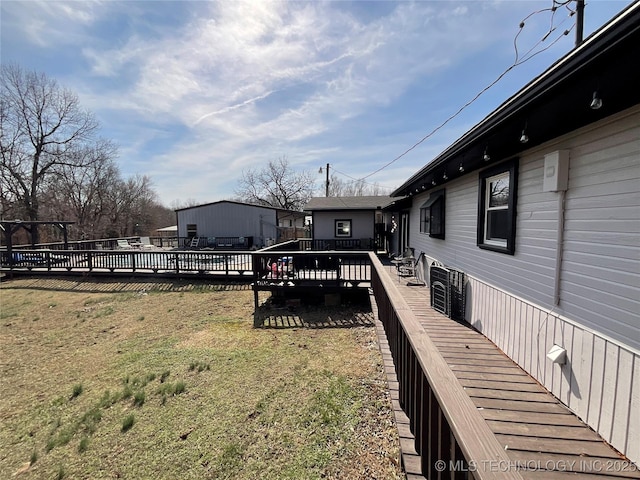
(348, 203)
(553, 104)
(233, 202)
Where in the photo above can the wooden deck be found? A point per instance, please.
(541, 437)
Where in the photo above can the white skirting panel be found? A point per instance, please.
(600, 380)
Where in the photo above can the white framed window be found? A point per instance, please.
(497, 208)
(343, 228)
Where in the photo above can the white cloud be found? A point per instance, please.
(50, 24)
(206, 89)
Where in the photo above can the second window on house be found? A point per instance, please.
(497, 207)
(432, 215)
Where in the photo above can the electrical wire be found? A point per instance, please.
(517, 61)
(360, 179)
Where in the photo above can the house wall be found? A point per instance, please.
(512, 299)
(362, 223)
(227, 219)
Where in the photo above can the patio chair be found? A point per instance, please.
(124, 245)
(413, 269)
(145, 242)
(406, 257)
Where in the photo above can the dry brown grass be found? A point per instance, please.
(258, 403)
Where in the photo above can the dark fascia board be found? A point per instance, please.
(403, 203)
(603, 61)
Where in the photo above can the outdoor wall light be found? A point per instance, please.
(444, 176)
(461, 169)
(485, 156)
(433, 182)
(596, 102)
(524, 138)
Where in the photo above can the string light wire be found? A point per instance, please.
(517, 61)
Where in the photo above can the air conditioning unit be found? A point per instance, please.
(447, 291)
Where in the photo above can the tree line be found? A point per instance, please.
(55, 166)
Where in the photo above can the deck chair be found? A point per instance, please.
(124, 245)
(145, 242)
(401, 259)
(409, 266)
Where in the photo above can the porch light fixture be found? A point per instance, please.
(444, 176)
(524, 138)
(461, 168)
(485, 156)
(433, 182)
(596, 102)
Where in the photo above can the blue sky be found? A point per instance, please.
(195, 92)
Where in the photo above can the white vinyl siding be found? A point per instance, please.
(529, 270)
(600, 276)
(600, 282)
(511, 299)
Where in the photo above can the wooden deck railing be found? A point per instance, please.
(102, 243)
(135, 260)
(311, 267)
(452, 438)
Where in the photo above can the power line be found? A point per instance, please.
(517, 61)
(361, 180)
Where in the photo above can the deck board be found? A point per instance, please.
(540, 434)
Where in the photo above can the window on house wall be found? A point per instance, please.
(497, 207)
(432, 215)
(192, 230)
(343, 228)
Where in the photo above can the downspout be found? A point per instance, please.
(559, 245)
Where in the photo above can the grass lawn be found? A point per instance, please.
(171, 380)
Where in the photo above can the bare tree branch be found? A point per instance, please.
(276, 185)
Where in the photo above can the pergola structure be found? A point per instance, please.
(9, 227)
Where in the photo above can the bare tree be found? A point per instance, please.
(354, 188)
(277, 185)
(189, 202)
(82, 194)
(42, 127)
(130, 204)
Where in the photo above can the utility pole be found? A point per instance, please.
(326, 185)
(579, 21)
